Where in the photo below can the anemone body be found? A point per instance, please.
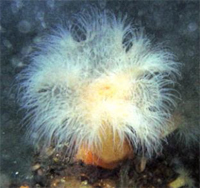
(99, 76)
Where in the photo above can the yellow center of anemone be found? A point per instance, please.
(110, 88)
(107, 91)
(107, 99)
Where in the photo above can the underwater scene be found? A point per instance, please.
(99, 94)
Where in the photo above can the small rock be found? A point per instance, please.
(35, 167)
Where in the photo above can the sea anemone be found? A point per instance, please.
(99, 83)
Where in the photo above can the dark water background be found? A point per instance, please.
(22, 23)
